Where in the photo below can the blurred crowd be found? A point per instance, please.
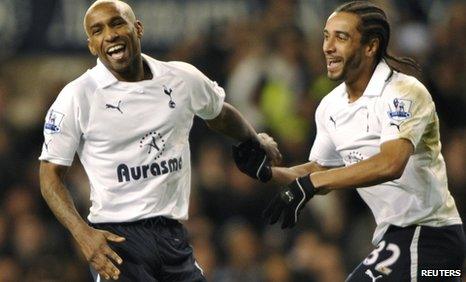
(272, 68)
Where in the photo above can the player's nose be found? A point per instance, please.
(329, 46)
(111, 35)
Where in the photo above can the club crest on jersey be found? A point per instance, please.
(53, 122)
(154, 143)
(168, 92)
(400, 109)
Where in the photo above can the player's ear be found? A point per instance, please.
(372, 47)
(91, 48)
(139, 28)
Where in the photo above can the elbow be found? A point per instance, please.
(393, 171)
(44, 188)
(217, 123)
(49, 175)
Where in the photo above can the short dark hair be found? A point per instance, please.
(374, 24)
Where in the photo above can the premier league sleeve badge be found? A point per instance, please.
(400, 109)
(53, 122)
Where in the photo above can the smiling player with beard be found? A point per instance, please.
(378, 132)
(128, 119)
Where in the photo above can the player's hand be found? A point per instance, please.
(94, 245)
(252, 160)
(290, 201)
(270, 147)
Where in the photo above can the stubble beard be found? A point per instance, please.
(352, 64)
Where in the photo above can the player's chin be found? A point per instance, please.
(335, 76)
(119, 66)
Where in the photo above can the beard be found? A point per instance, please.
(352, 64)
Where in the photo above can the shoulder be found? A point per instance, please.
(407, 87)
(182, 67)
(78, 89)
(185, 70)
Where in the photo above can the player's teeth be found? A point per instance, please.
(115, 48)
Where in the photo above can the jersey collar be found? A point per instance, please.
(105, 78)
(102, 75)
(379, 78)
(376, 84)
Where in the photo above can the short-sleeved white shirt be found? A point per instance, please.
(393, 105)
(132, 137)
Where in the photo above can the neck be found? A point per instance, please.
(355, 87)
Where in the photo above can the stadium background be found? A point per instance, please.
(267, 55)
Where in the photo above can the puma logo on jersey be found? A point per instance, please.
(168, 92)
(46, 144)
(396, 125)
(333, 121)
(371, 275)
(117, 107)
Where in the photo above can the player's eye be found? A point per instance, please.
(96, 31)
(118, 22)
(342, 37)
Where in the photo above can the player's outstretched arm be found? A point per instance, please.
(230, 122)
(285, 175)
(387, 165)
(93, 242)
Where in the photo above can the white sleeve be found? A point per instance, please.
(207, 97)
(323, 150)
(407, 108)
(61, 129)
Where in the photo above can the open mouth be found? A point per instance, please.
(116, 52)
(334, 63)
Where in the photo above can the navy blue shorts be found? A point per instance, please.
(415, 253)
(155, 250)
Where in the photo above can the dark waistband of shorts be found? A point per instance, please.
(151, 221)
(394, 228)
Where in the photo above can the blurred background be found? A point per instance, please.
(267, 55)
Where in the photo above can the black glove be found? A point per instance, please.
(252, 160)
(290, 202)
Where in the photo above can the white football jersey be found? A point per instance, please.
(132, 137)
(393, 105)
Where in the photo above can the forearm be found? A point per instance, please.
(60, 202)
(231, 122)
(365, 173)
(385, 166)
(284, 175)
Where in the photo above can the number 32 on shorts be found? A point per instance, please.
(383, 266)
